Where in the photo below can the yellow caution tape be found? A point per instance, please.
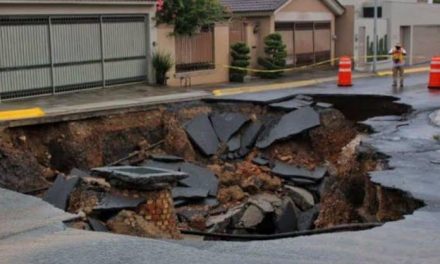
(21, 114)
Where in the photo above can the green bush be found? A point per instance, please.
(162, 63)
(240, 58)
(275, 58)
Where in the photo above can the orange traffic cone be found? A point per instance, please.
(344, 75)
(434, 74)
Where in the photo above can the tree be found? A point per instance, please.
(240, 59)
(275, 58)
(188, 16)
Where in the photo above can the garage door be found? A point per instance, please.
(426, 41)
(49, 55)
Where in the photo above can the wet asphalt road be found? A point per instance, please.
(31, 231)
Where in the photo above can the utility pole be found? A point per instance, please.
(376, 4)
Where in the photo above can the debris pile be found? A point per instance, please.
(219, 168)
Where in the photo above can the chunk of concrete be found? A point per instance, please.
(306, 219)
(290, 125)
(301, 197)
(251, 133)
(287, 220)
(221, 218)
(227, 124)
(58, 195)
(291, 104)
(189, 193)
(115, 203)
(263, 204)
(166, 158)
(97, 225)
(251, 217)
(202, 134)
(142, 178)
(291, 171)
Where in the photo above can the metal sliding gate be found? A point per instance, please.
(55, 54)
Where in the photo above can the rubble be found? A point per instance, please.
(287, 220)
(307, 218)
(301, 197)
(97, 225)
(252, 216)
(203, 135)
(291, 124)
(58, 195)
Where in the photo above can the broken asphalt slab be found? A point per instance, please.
(58, 195)
(290, 125)
(202, 134)
(142, 178)
(251, 133)
(189, 193)
(198, 177)
(227, 124)
(166, 158)
(291, 171)
(291, 104)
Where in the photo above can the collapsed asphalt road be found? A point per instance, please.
(413, 155)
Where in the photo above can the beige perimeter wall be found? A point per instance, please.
(220, 74)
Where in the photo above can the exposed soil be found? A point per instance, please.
(32, 156)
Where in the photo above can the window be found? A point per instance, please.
(369, 12)
(195, 52)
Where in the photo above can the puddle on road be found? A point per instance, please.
(252, 170)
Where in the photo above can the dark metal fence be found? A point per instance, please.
(55, 54)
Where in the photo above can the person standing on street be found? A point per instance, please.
(398, 54)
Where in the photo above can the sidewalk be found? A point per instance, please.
(129, 98)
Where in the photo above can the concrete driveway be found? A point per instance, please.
(414, 155)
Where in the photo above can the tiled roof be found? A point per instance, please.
(80, 1)
(253, 5)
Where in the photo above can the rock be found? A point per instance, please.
(203, 135)
(260, 161)
(176, 140)
(234, 143)
(301, 197)
(231, 194)
(97, 225)
(263, 203)
(115, 203)
(291, 124)
(98, 183)
(251, 217)
(58, 195)
(301, 182)
(211, 202)
(306, 219)
(189, 193)
(166, 158)
(287, 219)
(142, 178)
(251, 184)
(291, 104)
(227, 124)
(250, 134)
(223, 219)
(324, 105)
(129, 223)
(291, 172)
(195, 217)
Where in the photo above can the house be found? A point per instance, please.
(55, 46)
(306, 26)
(414, 23)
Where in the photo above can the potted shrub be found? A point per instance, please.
(275, 58)
(162, 63)
(240, 59)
